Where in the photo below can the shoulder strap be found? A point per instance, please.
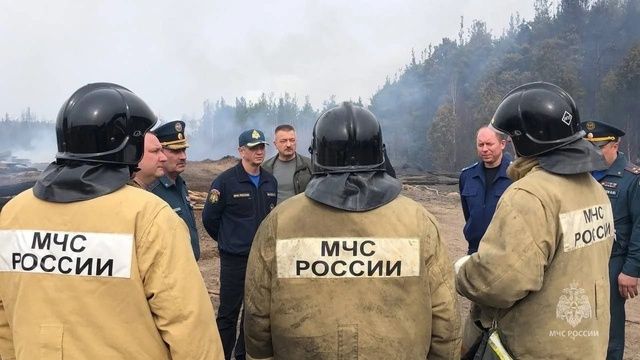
(632, 168)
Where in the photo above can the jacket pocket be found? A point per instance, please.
(469, 191)
(348, 342)
(241, 205)
(471, 194)
(51, 342)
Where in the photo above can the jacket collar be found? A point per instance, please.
(165, 181)
(502, 172)
(521, 166)
(300, 164)
(243, 176)
(617, 168)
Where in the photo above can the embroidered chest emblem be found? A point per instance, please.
(573, 305)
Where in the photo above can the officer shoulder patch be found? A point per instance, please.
(470, 166)
(214, 196)
(632, 168)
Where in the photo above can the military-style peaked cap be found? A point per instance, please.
(171, 135)
(599, 133)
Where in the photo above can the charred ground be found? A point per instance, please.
(436, 192)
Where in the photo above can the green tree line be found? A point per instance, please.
(430, 112)
(431, 108)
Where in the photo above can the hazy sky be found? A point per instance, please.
(176, 54)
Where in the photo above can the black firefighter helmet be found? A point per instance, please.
(103, 123)
(346, 139)
(539, 117)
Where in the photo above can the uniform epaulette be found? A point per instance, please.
(470, 166)
(632, 168)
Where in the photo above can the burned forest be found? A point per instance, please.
(431, 107)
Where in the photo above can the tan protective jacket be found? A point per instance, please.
(324, 283)
(542, 266)
(108, 278)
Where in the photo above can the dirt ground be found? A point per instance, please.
(441, 201)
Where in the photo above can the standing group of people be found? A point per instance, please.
(158, 171)
(238, 201)
(527, 114)
(321, 257)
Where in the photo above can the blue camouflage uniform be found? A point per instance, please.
(176, 194)
(479, 205)
(622, 184)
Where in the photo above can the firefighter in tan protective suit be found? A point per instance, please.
(541, 272)
(350, 269)
(91, 268)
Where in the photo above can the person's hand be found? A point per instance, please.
(628, 286)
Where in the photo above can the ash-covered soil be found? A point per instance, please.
(441, 200)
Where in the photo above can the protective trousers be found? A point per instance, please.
(232, 274)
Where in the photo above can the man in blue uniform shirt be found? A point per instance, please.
(239, 199)
(171, 187)
(482, 184)
(621, 182)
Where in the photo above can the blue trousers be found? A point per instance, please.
(232, 274)
(616, 329)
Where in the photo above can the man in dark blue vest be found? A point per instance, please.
(171, 187)
(621, 181)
